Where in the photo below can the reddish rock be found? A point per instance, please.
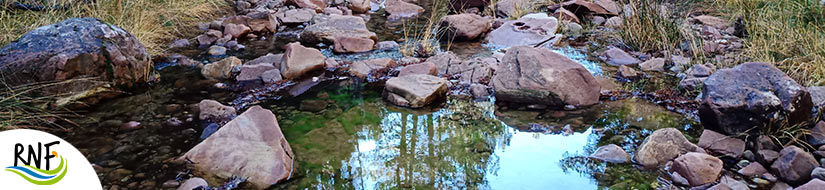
(359, 6)
(817, 136)
(505, 8)
(524, 31)
(299, 60)
(565, 15)
(766, 156)
(326, 28)
(250, 145)
(419, 90)
(421, 68)
(222, 69)
(754, 169)
(236, 30)
(211, 110)
(352, 45)
(815, 184)
(271, 59)
(713, 21)
(317, 5)
(698, 168)
(362, 69)
(721, 144)
(609, 5)
(627, 72)
(458, 6)
(399, 9)
(465, 27)
(751, 96)
(250, 72)
(296, 16)
(794, 165)
(655, 64)
(540, 76)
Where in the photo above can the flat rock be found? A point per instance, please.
(296, 16)
(751, 96)
(721, 144)
(326, 28)
(253, 72)
(419, 90)
(815, 184)
(794, 165)
(421, 68)
(362, 69)
(662, 146)
(399, 9)
(540, 76)
(299, 60)
(611, 153)
(698, 168)
(359, 6)
(655, 64)
(317, 5)
(211, 110)
(524, 31)
(713, 21)
(754, 169)
(610, 6)
(627, 72)
(344, 44)
(250, 145)
(616, 57)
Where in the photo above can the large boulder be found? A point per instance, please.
(250, 145)
(465, 27)
(399, 9)
(524, 31)
(751, 96)
(540, 76)
(326, 28)
(299, 60)
(73, 49)
(794, 165)
(698, 168)
(418, 90)
(662, 146)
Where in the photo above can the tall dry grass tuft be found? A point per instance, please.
(789, 33)
(21, 108)
(154, 22)
(422, 39)
(650, 29)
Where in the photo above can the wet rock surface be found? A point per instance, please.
(524, 31)
(662, 146)
(417, 89)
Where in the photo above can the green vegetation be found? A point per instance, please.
(154, 22)
(789, 33)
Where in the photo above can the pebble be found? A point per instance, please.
(130, 126)
(217, 50)
(171, 184)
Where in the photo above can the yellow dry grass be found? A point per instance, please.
(154, 22)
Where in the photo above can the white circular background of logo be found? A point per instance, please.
(79, 174)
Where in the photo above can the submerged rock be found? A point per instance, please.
(250, 145)
(524, 31)
(212, 110)
(299, 60)
(222, 69)
(751, 96)
(72, 49)
(794, 165)
(465, 27)
(540, 76)
(611, 153)
(326, 28)
(417, 89)
(662, 146)
(698, 168)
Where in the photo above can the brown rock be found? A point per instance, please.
(299, 60)
(815, 184)
(270, 59)
(524, 31)
(253, 72)
(271, 76)
(326, 28)
(465, 27)
(698, 168)
(296, 16)
(399, 9)
(317, 5)
(565, 15)
(418, 90)
(362, 69)
(421, 68)
(817, 136)
(794, 165)
(754, 169)
(611, 153)
(352, 45)
(222, 69)
(627, 72)
(609, 5)
(505, 8)
(212, 110)
(716, 22)
(663, 145)
(250, 145)
(655, 64)
(766, 156)
(540, 76)
(359, 6)
(721, 144)
(236, 30)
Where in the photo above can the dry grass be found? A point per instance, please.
(154, 22)
(649, 30)
(422, 39)
(789, 33)
(19, 108)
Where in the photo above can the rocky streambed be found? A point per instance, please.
(338, 95)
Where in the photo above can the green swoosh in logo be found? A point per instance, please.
(62, 167)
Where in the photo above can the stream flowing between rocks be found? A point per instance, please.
(345, 136)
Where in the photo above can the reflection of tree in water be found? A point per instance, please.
(448, 149)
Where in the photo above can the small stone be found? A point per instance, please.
(180, 43)
(818, 173)
(655, 64)
(615, 56)
(171, 184)
(614, 22)
(627, 72)
(748, 155)
(719, 143)
(386, 45)
(753, 169)
(193, 183)
(733, 183)
(130, 126)
(766, 156)
(217, 50)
